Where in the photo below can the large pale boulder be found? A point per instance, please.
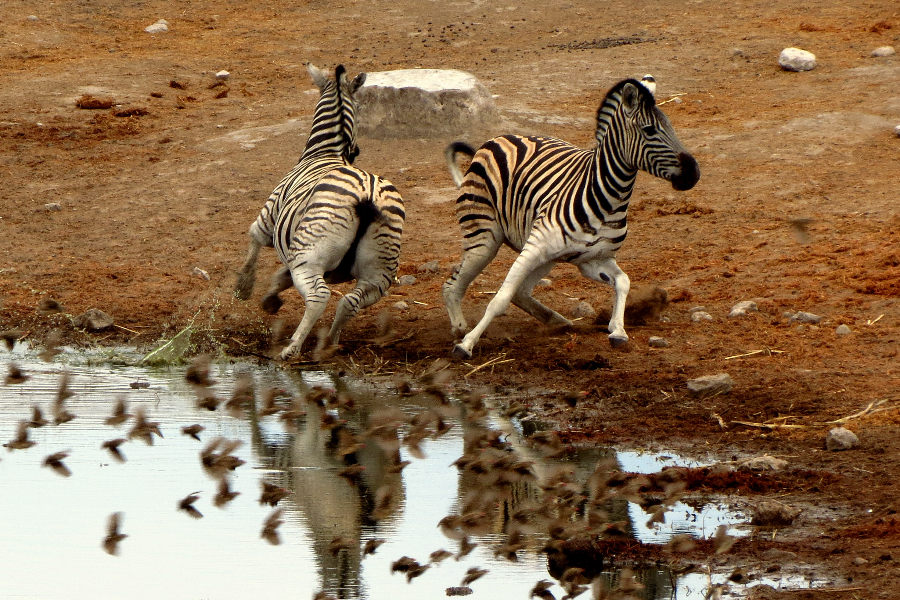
(424, 103)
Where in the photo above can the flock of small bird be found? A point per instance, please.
(492, 470)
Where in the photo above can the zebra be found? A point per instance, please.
(553, 202)
(328, 221)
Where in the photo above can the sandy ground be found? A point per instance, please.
(147, 195)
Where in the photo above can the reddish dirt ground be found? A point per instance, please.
(145, 196)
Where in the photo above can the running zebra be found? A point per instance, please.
(329, 222)
(554, 202)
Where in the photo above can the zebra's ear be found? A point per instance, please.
(631, 98)
(319, 77)
(357, 82)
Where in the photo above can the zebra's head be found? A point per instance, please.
(335, 118)
(644, 135)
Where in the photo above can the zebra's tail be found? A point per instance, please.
(450, 154)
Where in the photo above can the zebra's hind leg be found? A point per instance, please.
(316, 295)
(475, 259)
(532, 257)
(607, 271)
(281, 281)
(524, 300)
(365, 294)
(246, 279)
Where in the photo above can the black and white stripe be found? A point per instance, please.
(328, 221)
(554, 202)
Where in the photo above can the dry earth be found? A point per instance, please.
(171, 177)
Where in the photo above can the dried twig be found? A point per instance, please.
(497, 360)
(766, 351)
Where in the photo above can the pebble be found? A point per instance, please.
(795, 59)
(407, 280)
(843, 330)
(545, 282)
(768, 513)
(775, 554)
(198, 272)
(53, 206)
(583, 309)
(658, 342)
(700, 315)
(742, 308)
(841, 438)
(160, 26)
(897, 130)
(802, 317)
(860, 561)
(430, 267)
(763, 463)
(93, 320)
(401, 305)
(710, 384)
(883, 51)
(32, 18)
(223, 75)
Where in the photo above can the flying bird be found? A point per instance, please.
(15, 375)
(120, 412)
(473, 574)
(193, 430)
(37, 417)
(224, 495)
(21, 441)
(55, 462)
(60, 413)
(372, 545)
(113, 447)
(272, 494)
(187, 505)
(270, 527)
(113, 537)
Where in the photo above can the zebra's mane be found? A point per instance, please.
(613, 99)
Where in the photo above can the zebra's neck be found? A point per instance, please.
(613, 176)
(328, 137)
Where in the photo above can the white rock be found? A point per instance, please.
(401, 305)
(700, 315)
(884, 51)
(840, 438)
(742, 308)
(223, 75)
(546, 282)
(897, 130)
(802, 317)
(860, 561)
(52, 206)
(763, 463)
(432, 266)
(658, 342)
(843, 330)
(407, 280)
(198, 272)
(709, 385)
(795, 59)
(157, 28)
(583, 309)
(423, 103)
(32, 18)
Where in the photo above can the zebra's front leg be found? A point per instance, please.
(523, 299)
(281, 281)
(246, 275)
(316, 295)
(531, 258)
(607, 271)
(365, 294)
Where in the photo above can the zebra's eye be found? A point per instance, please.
(649, 129)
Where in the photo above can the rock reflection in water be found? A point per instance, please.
(62, 521)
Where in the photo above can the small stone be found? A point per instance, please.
(843, 330)
(583, 310)
(432, 266)
(768, 513)
(737, 53)
(742, 308)
(840, 438)
(696, 309)
(407, 280)
(545, 282)
(774, 554)
(860, 561)
(700, 315)
(198, 272)
(32, 18)
(52, 207)
(795, 59)
(709, 385)
(678, 100)
(223, 75)
(159, 27)
(883, 51)
(401, 305)
(802, 317)
(93, 320)
(897, 130)
(763, 463)
(658, 342)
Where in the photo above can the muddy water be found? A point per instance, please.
(52, 527)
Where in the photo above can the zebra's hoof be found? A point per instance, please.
(618, 342)
(461, 353)
(271, 304)
(288, 353)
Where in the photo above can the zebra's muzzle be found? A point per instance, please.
(690, 173)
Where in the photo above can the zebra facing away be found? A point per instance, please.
(554, 202)
(328, 221)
